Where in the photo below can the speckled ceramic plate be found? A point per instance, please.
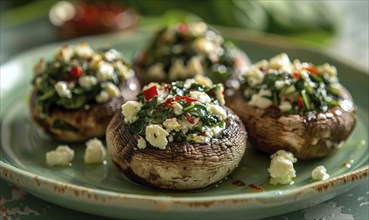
(103, 190)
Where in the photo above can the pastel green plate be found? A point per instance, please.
(103, 190)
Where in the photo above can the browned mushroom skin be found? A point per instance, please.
(181, 166)
(306, 136)
(91, 122)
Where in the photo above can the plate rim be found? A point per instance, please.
(8, 171)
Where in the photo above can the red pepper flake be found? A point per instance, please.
(183, 28)
(78, 120)
(238, 183)
(150, 93)
(296, 75)
(300, 103)
(312, 70)
(256, 187)
(188, 99)
(202, 134)
(75, 71)
(189, 118)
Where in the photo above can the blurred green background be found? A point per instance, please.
(315, 23)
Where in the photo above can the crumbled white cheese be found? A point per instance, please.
(141, 143)
(62, 156)
(203, 45)
(38, 82)
(329, 72)
(280, 83)
(104, 72)
(177, 108)
(111, 89)
(156, 136)
(200, 96)
(102, 97)
(285, 106)
(40, 67)
(281, 168)
(177, 70)
(188, 82)
(95, 151)
(157, 71)
(87, 82)
(218, 110)
(219, 94)
(319, 173)
(64, 54)
(171, 124)
(203, 80)
(61, 87)
(130, 110)
(95, 61)
(194, 66)
(186, 125)
(123, 71)
(198, 138)
(198, 28)
(111, 55)
(215, 130)
(259, 99)
(281, 62)
(254, 76)
(83, 50)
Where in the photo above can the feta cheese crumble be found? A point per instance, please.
(281, 168)
(61, 88)
(319, 173)
(61, 156)
(130, 110)
(157, 136)
(95, 151)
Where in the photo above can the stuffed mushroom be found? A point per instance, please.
(76, 94)
(185, 49)
(295, 106)
(177, 136)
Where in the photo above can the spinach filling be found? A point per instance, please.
(156, 112)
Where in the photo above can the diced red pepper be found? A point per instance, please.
(150, 93)
(287, 99)
(296, 75)
(189, 118)
(312, 70)
(178, 98)
(75, 71)
(188, 99)
(300, 103)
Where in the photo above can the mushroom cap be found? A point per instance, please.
(180, 166)
(91, 122)
(307, 136)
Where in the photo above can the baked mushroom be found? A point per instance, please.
(294, 106)
(183, 50)
(177, 136)
(76, 94)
